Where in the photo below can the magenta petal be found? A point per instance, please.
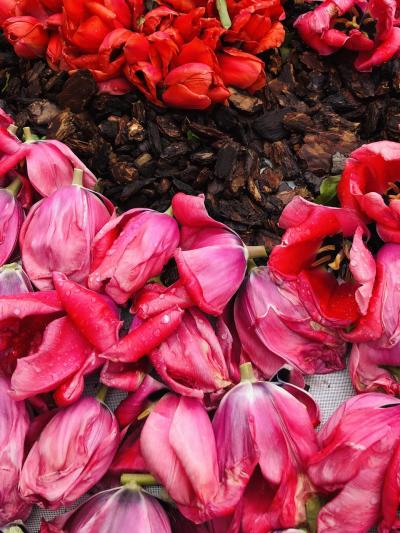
(101, 325)
(124, 376)
(11, 218)
(35, 303)
(62, 352)
(363, 269)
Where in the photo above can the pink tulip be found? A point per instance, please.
(58, 234)
(49, 163)
(13, 280)
(191, 361)
(115, 511)
(14, 424)
(71, 455)
(5, 119)
(177, 443)
(131, 249)
(11, 218)
(274, 327)
(211, 259)
(267, 457)
(358, 462)
(369, 175)
(375, 354)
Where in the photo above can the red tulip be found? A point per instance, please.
(373, 363)
(241, 70)
(115, 511)
(11, 218)
(58, 233)
(263, 464)
(211, 259)
(257, 27)
(154, 299)
(145, 76)
(358, 462)
(71, 455)
(131, 249)
(193, 86)
(307, 225)
(178, 445)
(274, 327)
(158, 19)
(5, 119)
(191, 361)
(369, 177)
(27, 35)
(14, 422)
(197, 50)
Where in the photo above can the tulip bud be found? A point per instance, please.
(178, 445)
(13, 280)
(194, 86)
(11, 217)
(131, 249)
(191, 361)
(242, 70)
(211, 259)
(71, 455)
(14, 424)
(27, 35)
(268, 456)
(116, 511)
(274, 327)
(58, 234)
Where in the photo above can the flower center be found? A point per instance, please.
(335, 254)
(356, 19)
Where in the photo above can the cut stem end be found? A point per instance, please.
(247, 373)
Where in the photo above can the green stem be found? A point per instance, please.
(138, 479)
(223, 14)
(247, 372)
(77, 178)
(12, 128)
(256, 251)
(27, 134)
(169, 211)
(102, 393)
(14, 186)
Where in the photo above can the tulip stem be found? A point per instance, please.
(138, 479)
(102, 393)
(223, 14)
(28, 134)
(14, 186)
(12, 128)
(77, 178)
(247, 373)
(256, 251)
(169, 211)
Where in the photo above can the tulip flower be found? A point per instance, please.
(129, 458)
(268, 457)
(177, 443)
(274, 327)
(23, 319)
(155, 298)
(191, 361)
(369, 178)
(194, 86)
(358, 462)
(158, 19)
(49, 163)
(14, 422)
(258, 27)
(241, 70)
(71, 455)
(11, 218)
(58, 234)
(131, 249)
(115, 511)
(145, 76)
(371, 31)
(13, 280)
(374, 362)
(27, 35)
(211, 259)
(297, 259)
(5, 119)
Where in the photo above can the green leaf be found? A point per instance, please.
(192, 136)
(327, 190)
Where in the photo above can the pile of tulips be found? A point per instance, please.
(212, 363)
(370, 28)
(182, 53)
